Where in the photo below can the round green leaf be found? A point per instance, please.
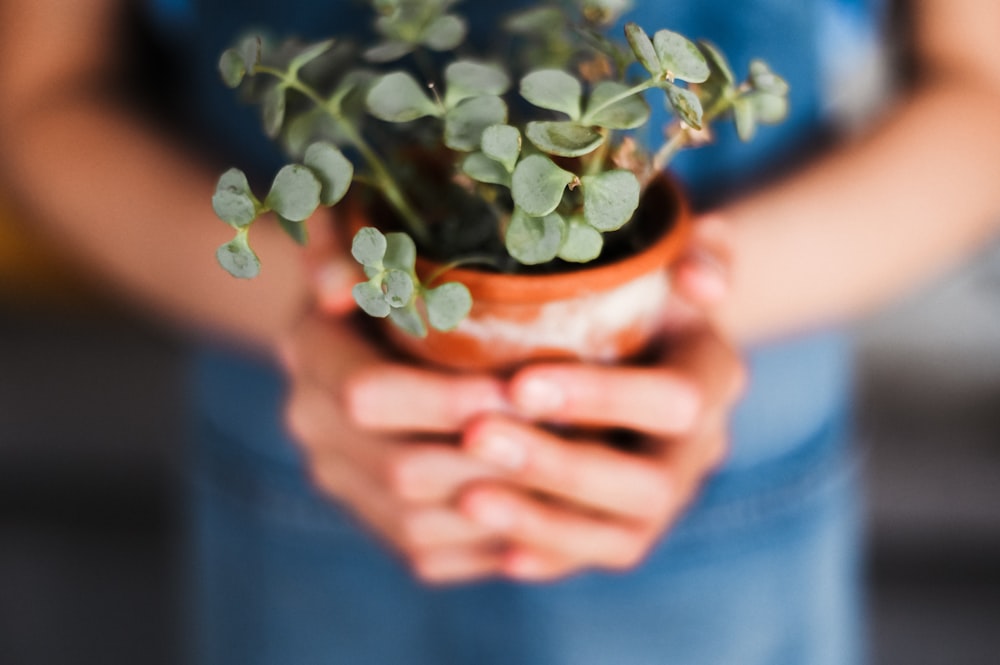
(388, 51)
(332, 169)
(400, 252)
(583, 243)
(553, 89)
(371, 300)
(681, 57)
(745, 117)
(537, 185)
(397, 97)
(502, 143)
(232, 67)
(763, 79)
(249, 49)
(447, 305)
(610, 198)
(296, 230)
(273, 110)
(534, 20)
(534, 240)
(643, 48)
(685, 103)
(233, 201)
(466, 78)
(628, 113)
(445, 33)
(769, 109)
(399, 287)
(483, 168)
(464, 124)
(721, 84)
(566, 139)
(237, 257)
(408, 319)
(294, 193)
(369, 246)
(716, 61)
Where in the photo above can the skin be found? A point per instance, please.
(461, 477)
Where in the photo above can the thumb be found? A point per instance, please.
(701, 277)
(330, 267)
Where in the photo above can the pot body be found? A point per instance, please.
(602, 313)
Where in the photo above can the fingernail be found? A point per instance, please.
(536, 396)
(501, 450)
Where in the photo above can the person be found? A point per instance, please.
(646, 556)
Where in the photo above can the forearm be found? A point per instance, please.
(876, 217)
(864, 223)
(134, 206)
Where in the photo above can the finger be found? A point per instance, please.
(570, 538)
(455, 565)
(590, 475)
(402, 398)
(413, 529)
(324, 351)
(703, 275)
(654, 400)
(689, 462)
(330, 269)
(701, 373)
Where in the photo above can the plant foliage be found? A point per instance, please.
(516, 161)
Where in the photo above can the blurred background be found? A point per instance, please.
(91, 418)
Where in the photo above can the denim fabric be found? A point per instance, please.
(762, 570)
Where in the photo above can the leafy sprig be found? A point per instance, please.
(550, 181)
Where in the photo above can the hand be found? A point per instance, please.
(701, 277)
(565, 504)
(379, 436)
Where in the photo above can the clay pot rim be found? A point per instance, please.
(509, 288)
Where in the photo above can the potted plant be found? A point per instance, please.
(508, 213)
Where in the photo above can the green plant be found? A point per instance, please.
(541, 179)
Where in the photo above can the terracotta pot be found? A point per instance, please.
(601, 313)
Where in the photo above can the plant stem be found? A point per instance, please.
(383, 178)
(681, 138)
(457, 263)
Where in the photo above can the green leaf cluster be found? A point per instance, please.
(539, 154)
(394, 290)
(295, 193)
(407, 25)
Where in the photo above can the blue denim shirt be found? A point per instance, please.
(798, 385)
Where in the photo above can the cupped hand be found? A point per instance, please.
(566, 503)
(379, 437)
